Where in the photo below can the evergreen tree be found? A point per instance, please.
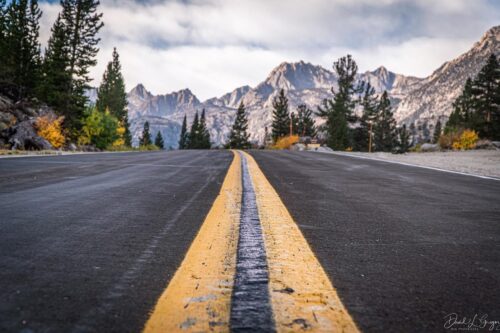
(194, 135)
(486, 92)
(385, 125)
(112, 95)
(145, 139)
(437, 132)
(294, 122)
(463, 115)
(204, 135)
(362, 133)
(238, 138)
(3, 33)
(19, 47)
(339, 111)
(127, 136)
(56, 86)
(184, 137)
(426, 133)
(81, 24)
(159, 141)
(403, 139)
(281, 117)
(305, 122)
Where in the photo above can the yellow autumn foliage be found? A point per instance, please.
(50, 128)
(466, 141)
(459, 140)
(286, 142)
(120, 141)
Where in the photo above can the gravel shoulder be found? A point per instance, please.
(477, 162)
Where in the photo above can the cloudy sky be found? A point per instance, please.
(214, 46)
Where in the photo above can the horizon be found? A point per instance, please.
(212, 47)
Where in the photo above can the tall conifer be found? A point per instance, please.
(385, 125)
(238, 138)
(184, 137)
(339, 111)
(281, 117)
(159, 141)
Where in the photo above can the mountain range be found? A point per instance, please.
(415, 100)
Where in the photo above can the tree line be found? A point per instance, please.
(59, 77)
(478, 106)
(198, 137)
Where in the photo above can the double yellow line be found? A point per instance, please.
(198, 298)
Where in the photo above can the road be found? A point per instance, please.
(90, 242)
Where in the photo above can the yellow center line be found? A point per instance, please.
(302, 296)
(198, 297)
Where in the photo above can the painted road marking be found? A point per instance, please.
(202, 297)
(302, 296)
(198, 297)
(250, 304)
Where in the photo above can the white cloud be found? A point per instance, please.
(214, 46)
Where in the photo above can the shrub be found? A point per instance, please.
(466, 141)
(148, 147)
(446, 140)
(49, 127)
(100, 129)
(459, 139)
(416, 149)
(286, 142)
(120, 131)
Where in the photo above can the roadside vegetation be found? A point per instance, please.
(357, 119)
(52, 85)
(198, 137)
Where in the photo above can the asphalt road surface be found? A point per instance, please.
(404, 246)
(89, 242)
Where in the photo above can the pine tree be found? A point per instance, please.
(127, 136)
(463, 115)
(204, 135)
(403, 139)
(20, 49)
(305, 122)
(339, 111)
(437, 132)
(281, 117)
(159, 141)
(385, 125)
(81, 23)
(145, 139)
(294, 122)
(193, 141)
(238, 138)
(56, 87)
(3, 33)
(486, 92)
(361, 134)
(112, 95)
(184, 137)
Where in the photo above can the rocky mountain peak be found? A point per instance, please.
(492, 34)
(186, 96)
(140, 91)
(299, 75)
